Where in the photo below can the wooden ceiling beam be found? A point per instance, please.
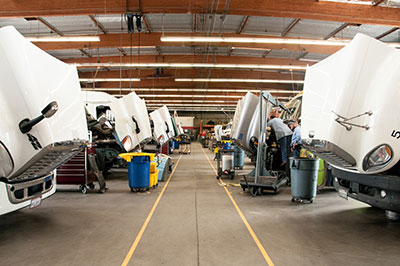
(386, 33)
(98, 24)
(153, 39)
(242, 25)
(48, 25)
(194, 93)
(290, 27)
(168, 83)
(188, 73)
(302, 9)
(219, 59)
(147, 23)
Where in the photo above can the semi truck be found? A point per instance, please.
(43, 121)
(349, 119)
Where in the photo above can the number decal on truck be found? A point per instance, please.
(396, 134)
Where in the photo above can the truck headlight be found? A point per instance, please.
(377, 158)
(6, 162)
(127, 143)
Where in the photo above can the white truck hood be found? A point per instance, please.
(362, 77)
(30, 80)
(130, 112)
(160, 126)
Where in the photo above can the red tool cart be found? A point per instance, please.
(82, 170)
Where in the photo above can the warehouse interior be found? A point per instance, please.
(142, 132)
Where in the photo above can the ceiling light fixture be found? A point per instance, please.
(191, 90)
(238, 80)
(109, 79)
(254, 40)
(367, 3)
(65, 39)
(191, 65)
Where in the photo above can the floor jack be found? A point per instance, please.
(260, 178)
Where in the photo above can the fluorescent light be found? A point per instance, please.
(367, 3)
(141, 47)
(189, 96)
(251, 48)
(109, 79)
(190, 90)
(238, 80)
(191, 65)
(255, 40)
(65, 39)
(190, 100)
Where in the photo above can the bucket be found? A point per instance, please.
(139, 172)
(227, 162)
(226, 146)
(304, 175)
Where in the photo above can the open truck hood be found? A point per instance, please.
(30, 80)
(162, 125)
(361, 80)
(245, 121)
(130, 114)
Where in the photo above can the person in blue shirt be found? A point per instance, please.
(296, 142)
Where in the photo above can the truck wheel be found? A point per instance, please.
(83, 189)
(391, 215)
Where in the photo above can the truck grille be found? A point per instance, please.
(330, 153)
(48, 159)
(21, 192)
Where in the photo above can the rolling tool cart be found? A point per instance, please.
(225, 163)
(185, 144)
(82, 170)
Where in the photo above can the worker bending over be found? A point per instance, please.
(283, 136)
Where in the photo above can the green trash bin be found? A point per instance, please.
(304, 176)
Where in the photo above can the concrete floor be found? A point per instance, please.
(195, 223)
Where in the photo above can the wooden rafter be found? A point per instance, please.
(121, 51)
(47, 24)
(290, 27)
(242, 25)
(85, 53)
(98, 24)
(386, 33)
(189, 59)
(147, 23)
(336, 31)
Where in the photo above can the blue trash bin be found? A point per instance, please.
(139, 173)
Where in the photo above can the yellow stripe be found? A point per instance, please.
(251, 231)
(144, 226)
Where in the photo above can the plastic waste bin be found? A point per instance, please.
(138, 170)
(238, 157)
(304, 175)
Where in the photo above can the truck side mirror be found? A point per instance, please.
(50, 109)
(26, 124)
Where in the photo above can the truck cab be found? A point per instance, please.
(349, 119)
(43, 121)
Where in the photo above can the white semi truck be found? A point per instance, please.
(43, 120)
(349, 119)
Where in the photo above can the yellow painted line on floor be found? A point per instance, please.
(146, 222)
(251, 231)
